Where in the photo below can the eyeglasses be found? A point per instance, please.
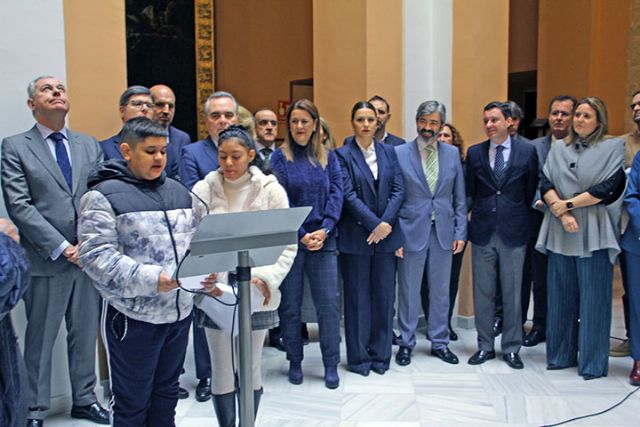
(141, 104)
(267, 122)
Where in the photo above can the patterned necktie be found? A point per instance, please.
(266, 155)
(499, 164)
(62, 157)
(431, 167)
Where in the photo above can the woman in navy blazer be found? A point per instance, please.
(367, 239)
(631, 245)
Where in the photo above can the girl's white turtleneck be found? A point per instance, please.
(237, 191)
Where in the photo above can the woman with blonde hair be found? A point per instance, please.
(583, 184)
(311, 176)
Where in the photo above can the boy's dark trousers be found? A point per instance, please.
(145, 362)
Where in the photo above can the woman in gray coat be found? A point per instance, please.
(583, 185)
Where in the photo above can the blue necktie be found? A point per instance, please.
(62, 157)
(499, 164)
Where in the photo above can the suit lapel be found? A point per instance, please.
(358, 157)
(442, 160)
(381, 159)
(76, 159)
(515, 151)
(416, 161)
(485, 163)
(40, 150)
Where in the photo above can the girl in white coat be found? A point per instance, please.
(239, 187)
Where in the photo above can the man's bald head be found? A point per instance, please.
(165, 104)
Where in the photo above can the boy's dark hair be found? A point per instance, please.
(138, 129)
(502, 106)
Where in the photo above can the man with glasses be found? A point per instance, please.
(266, 133)
(164, 110)
(200, 158)
(135, 101)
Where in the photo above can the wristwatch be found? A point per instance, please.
(326, 232)
(569, 205)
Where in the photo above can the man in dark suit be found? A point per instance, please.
(535, 266)
(433, 220)
(266, 133)
(200, 158)
(164, 101)
(517, 116)
(135, 101)
(44, 174)
(502, 177)
(383, 113)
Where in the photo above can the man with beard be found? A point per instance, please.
(383, 113)
(433, 220)
(535, 266)
(266, 132)
(502, 178)
(164, 101)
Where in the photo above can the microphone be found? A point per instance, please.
(196, 196)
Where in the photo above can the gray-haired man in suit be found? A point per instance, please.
(433, 219)
(44, 174)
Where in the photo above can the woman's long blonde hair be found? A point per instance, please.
(316, 152)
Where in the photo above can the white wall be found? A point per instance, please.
(31, 45)
(428, 27)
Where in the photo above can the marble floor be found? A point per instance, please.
(428, 392)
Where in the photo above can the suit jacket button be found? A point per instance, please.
(493, 210)
(498, 192)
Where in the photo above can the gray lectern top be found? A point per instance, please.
(219, 238)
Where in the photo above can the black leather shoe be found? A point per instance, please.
(183, 393)
(533, 338)
(34, 423)
(513, 360)
(203, 390)
(93, 412)
(445, 355)
(497, 326)
(481, 356)
(452, 335)
(403, 356)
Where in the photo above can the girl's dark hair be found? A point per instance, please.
(362, 104)
(241, 135)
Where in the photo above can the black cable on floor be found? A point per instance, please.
(595, 414)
